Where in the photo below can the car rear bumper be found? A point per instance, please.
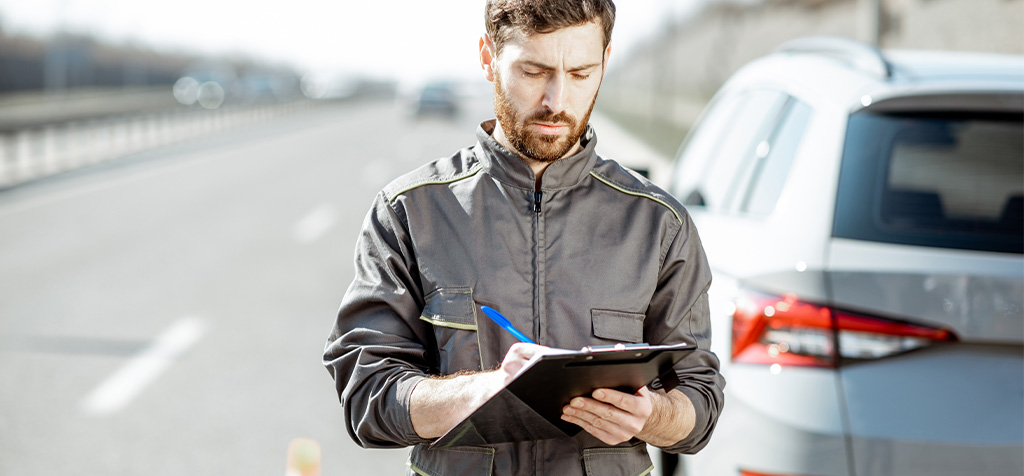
(947, 410)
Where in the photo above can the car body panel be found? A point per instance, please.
(978, 295)
(945, 410)
(886, 457)
(946, 393)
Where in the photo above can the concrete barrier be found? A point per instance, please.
(41, 151)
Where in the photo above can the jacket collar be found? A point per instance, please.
(506, 166)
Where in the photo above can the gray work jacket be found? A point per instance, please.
(598, 256)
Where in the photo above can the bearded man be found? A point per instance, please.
(575, 249)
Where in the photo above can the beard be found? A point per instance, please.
(533, 145)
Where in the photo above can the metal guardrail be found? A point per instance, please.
(41, 151)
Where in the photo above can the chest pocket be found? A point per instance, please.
(614, 327)
(452, 312)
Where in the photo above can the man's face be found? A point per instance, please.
(545, 87)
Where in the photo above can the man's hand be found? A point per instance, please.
(516, 358)
(438, 404)
(611, 416)
(614, 417)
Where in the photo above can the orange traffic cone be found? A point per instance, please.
(303, 458)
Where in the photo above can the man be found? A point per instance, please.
(574, 249)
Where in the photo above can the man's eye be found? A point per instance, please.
(581, 76)
(532, 74)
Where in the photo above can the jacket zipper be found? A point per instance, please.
(538, 283)
(538, 296)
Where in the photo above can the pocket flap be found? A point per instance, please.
(451, 307)
(618, 325)
(618, 460)
(456, 460)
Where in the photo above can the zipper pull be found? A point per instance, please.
(536, 201)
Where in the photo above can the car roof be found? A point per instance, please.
(946, 66)
(852, 75)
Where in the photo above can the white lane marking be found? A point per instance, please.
(119, 389)
(315, 224)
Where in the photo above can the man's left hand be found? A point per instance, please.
(611, 416)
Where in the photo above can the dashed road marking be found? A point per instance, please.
(126, 383)
(315, 224)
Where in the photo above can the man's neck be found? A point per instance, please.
(537, 166)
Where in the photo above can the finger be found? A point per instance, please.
(524, 350)
(588, 406)
(603, 431)
(632, 404)
(517, 357)
(609, 396)
(605, 417)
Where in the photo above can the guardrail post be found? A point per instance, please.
(48, 146)
(5, 165)
(89, 149)
(71, 146)
(23, 155)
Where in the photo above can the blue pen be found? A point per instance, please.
(498, 318)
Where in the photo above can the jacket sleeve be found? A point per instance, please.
(376, 351)
(679, 313)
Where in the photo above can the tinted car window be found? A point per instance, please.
(950, 180)
(774, 159)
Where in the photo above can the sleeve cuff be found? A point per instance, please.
(403, 395)
(691, 443)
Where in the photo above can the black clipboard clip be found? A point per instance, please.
(614, 347)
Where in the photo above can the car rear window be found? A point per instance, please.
(938, 179)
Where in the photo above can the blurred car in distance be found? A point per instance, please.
(436, 98)
(862, 214)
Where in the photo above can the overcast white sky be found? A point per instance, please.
(410, 39)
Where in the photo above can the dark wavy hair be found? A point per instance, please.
(505, 18)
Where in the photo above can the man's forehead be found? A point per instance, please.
(575, 45)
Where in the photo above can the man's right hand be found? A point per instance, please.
(439, 403)
(516, 358)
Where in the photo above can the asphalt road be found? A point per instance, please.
(166, 314)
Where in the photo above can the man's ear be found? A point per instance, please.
(487, 57)
(607, 53)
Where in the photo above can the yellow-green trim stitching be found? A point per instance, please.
(469, 173)
(416, 470)
(647, 471)
(454, 325)
(637, 194)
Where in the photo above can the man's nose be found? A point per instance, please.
(554, 94)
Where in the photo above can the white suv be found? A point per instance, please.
(862, 213)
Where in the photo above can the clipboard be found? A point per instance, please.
(530, 406)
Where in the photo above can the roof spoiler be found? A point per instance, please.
(861, 56)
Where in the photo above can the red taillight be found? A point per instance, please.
(783, 330)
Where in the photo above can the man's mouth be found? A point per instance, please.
(551, 129)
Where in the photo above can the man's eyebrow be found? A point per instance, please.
(546, 67)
